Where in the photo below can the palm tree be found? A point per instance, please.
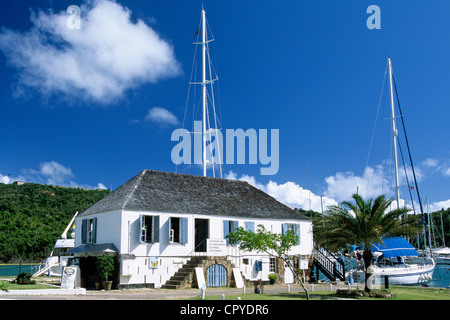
(363, 222)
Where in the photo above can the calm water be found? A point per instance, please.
(15, 269)
(441, 277)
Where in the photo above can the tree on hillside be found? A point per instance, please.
(274, 244)
(363, 223)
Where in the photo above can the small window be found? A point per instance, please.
(175, 229)
(273, 265)
(149, 229)
(293, 228)
(89, 231)
(228, 227)
(178, 230)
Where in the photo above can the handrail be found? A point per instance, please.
(330, 262)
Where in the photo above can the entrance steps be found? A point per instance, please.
(184, 277)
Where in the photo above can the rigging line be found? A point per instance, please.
(194, 63)
(376, 120)
(407, 180)
(409, 151)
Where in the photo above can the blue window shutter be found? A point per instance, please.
(141, 230)
(156, 229)
(297, 232)
(94, 230)
(235, 226)
(258, 265)
(226, 228)
(83, 231)
(169, 222)
(284, 228)
(184, 230)
(250, 226)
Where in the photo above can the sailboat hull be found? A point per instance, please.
(409, 274)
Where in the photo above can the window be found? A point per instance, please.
(294, 228)
(149, 229)
(273, 265)
(178, 230)
(89, 231)
(228, 227)
(249, 226)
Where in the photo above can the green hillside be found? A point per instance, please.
(33, 216)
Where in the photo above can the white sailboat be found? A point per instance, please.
(442, 255)
(397, 259)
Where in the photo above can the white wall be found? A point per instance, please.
(108, 228)
(171, 254)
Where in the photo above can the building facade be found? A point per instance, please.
(157, 221)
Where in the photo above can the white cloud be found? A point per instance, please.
(107, 56)
(51, 173)
(161, 115)
(101, 186)
(55, 173)
(4, 179)
(440, 205)
(438, 165)
(342, 186)
(430, 162)
(289, 193)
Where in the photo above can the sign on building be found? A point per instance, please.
(216, 247)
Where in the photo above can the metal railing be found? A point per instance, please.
(334, 267)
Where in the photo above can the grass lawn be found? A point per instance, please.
(38, 285)
(402, 292)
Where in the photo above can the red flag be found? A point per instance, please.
(412, 188)
(198, 31)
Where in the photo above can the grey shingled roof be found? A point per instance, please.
(182, 193)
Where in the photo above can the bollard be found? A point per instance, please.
(288, 288)
(312, 287)
(243, 290)
(202, 292)
(331, 287)
(223, 297)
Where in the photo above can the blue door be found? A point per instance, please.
(216, 276)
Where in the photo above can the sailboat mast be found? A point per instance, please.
(204, 88)
(394, 134)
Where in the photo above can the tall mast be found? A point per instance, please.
(204, 88)
(394, 134)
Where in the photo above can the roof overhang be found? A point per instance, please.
(95, 248)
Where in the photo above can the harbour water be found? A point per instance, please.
(441, 277)
(14, 269)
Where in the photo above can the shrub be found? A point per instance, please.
(24, 278)
(4, 286)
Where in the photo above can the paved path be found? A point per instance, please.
(163, 294)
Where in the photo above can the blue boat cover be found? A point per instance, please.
(395, 247)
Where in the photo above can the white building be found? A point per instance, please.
(158, 221)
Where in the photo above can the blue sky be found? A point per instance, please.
(94, 107)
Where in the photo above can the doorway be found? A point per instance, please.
(201, 234)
